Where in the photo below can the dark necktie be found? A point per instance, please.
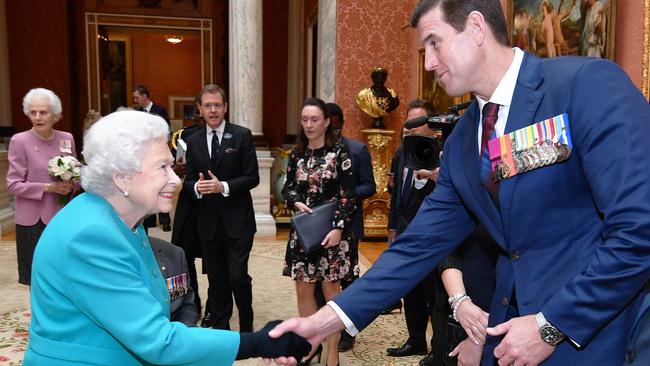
(490, 115)
(406, 187)
(215, 146)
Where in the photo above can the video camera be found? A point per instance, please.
(423, 152)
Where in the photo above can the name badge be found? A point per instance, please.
(65, 147)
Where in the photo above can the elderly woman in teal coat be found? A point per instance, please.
(98, 296)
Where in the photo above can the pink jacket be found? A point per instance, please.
(27, 175)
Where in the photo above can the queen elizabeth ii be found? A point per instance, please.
(98, 296)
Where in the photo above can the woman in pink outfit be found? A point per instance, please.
(28, 180)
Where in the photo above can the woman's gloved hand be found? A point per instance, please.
(259, 344)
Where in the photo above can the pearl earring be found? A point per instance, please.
(126, 194)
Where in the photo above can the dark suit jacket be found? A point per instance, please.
(401, 214)
(171, 260)
(237, 165)
(184, 215)
(638, 353)
(365, 186)
(159, 110)
(574, 236)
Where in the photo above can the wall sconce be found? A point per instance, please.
(173, 39)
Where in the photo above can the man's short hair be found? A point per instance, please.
(212, 89)
(455, 13)
(142, 90)
(427, 105)
(335, 111)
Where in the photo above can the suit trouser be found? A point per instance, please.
(163, 218)
(226, 262)
(418, 308)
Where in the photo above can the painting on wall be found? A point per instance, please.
(552, 28)
(429, 88)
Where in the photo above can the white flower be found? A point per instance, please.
(64, 167)
(347, 163)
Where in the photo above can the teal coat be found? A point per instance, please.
(98, 298)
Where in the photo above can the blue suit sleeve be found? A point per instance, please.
(439, 226)
(609, 124)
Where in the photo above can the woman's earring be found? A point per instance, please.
(126, 194)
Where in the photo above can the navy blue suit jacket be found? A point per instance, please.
(365, 180)
(638, 352)
(574, 237)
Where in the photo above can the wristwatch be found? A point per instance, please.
(549, 333)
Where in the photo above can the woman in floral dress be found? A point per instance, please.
(319, 171)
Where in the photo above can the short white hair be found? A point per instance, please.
(112, 146)
(55, 102)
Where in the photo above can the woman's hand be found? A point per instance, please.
(469, 354)
(302, 207)
(61, 187)
(473, 320)
(332, 239)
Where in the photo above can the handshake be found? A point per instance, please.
(259, 344)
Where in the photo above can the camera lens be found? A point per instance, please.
(422, 152)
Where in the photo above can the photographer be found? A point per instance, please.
(411, 186)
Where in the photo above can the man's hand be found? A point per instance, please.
(522, 344)
(427, 174)
(469, 354)
(209, 186)
(473, 320)
(314, 328)
(332, 239)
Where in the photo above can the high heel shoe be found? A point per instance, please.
(307, 362)
(395, 306)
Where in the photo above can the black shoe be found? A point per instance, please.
(207, 320)
(430, 360)
(407, 350)
(346, 342)
(395, 306)
(307, 362)
(167, 227)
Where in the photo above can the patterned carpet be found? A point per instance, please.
(273, 298)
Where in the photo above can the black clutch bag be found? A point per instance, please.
(453, 335)
(311, 228)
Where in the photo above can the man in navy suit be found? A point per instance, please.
(144, 102)
(364, 189)
(411, 188)
(573, 235)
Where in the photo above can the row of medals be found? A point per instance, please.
(532, 158)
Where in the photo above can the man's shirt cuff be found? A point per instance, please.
(349, 326)
(226, 189)
(196, 191)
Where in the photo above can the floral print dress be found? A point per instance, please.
(315, 177)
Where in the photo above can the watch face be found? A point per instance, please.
(551, 335)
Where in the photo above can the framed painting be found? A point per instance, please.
(429, 88)
(645, 79)
(182, 108)
(552, 28)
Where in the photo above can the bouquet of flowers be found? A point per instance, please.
(64, 168)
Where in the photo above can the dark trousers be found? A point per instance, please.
(226, 263)
(163, 218)
(191, 244)
(418, 309)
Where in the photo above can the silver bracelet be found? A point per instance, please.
(453, 298)
(456, 305)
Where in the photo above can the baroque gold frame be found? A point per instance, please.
(645, 72)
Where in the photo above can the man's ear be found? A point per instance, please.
(477, 25)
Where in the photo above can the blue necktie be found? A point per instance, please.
(406, 187)
(490, 115)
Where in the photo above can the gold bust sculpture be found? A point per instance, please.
(378, 101)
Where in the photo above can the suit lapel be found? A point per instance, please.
(525, 102)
